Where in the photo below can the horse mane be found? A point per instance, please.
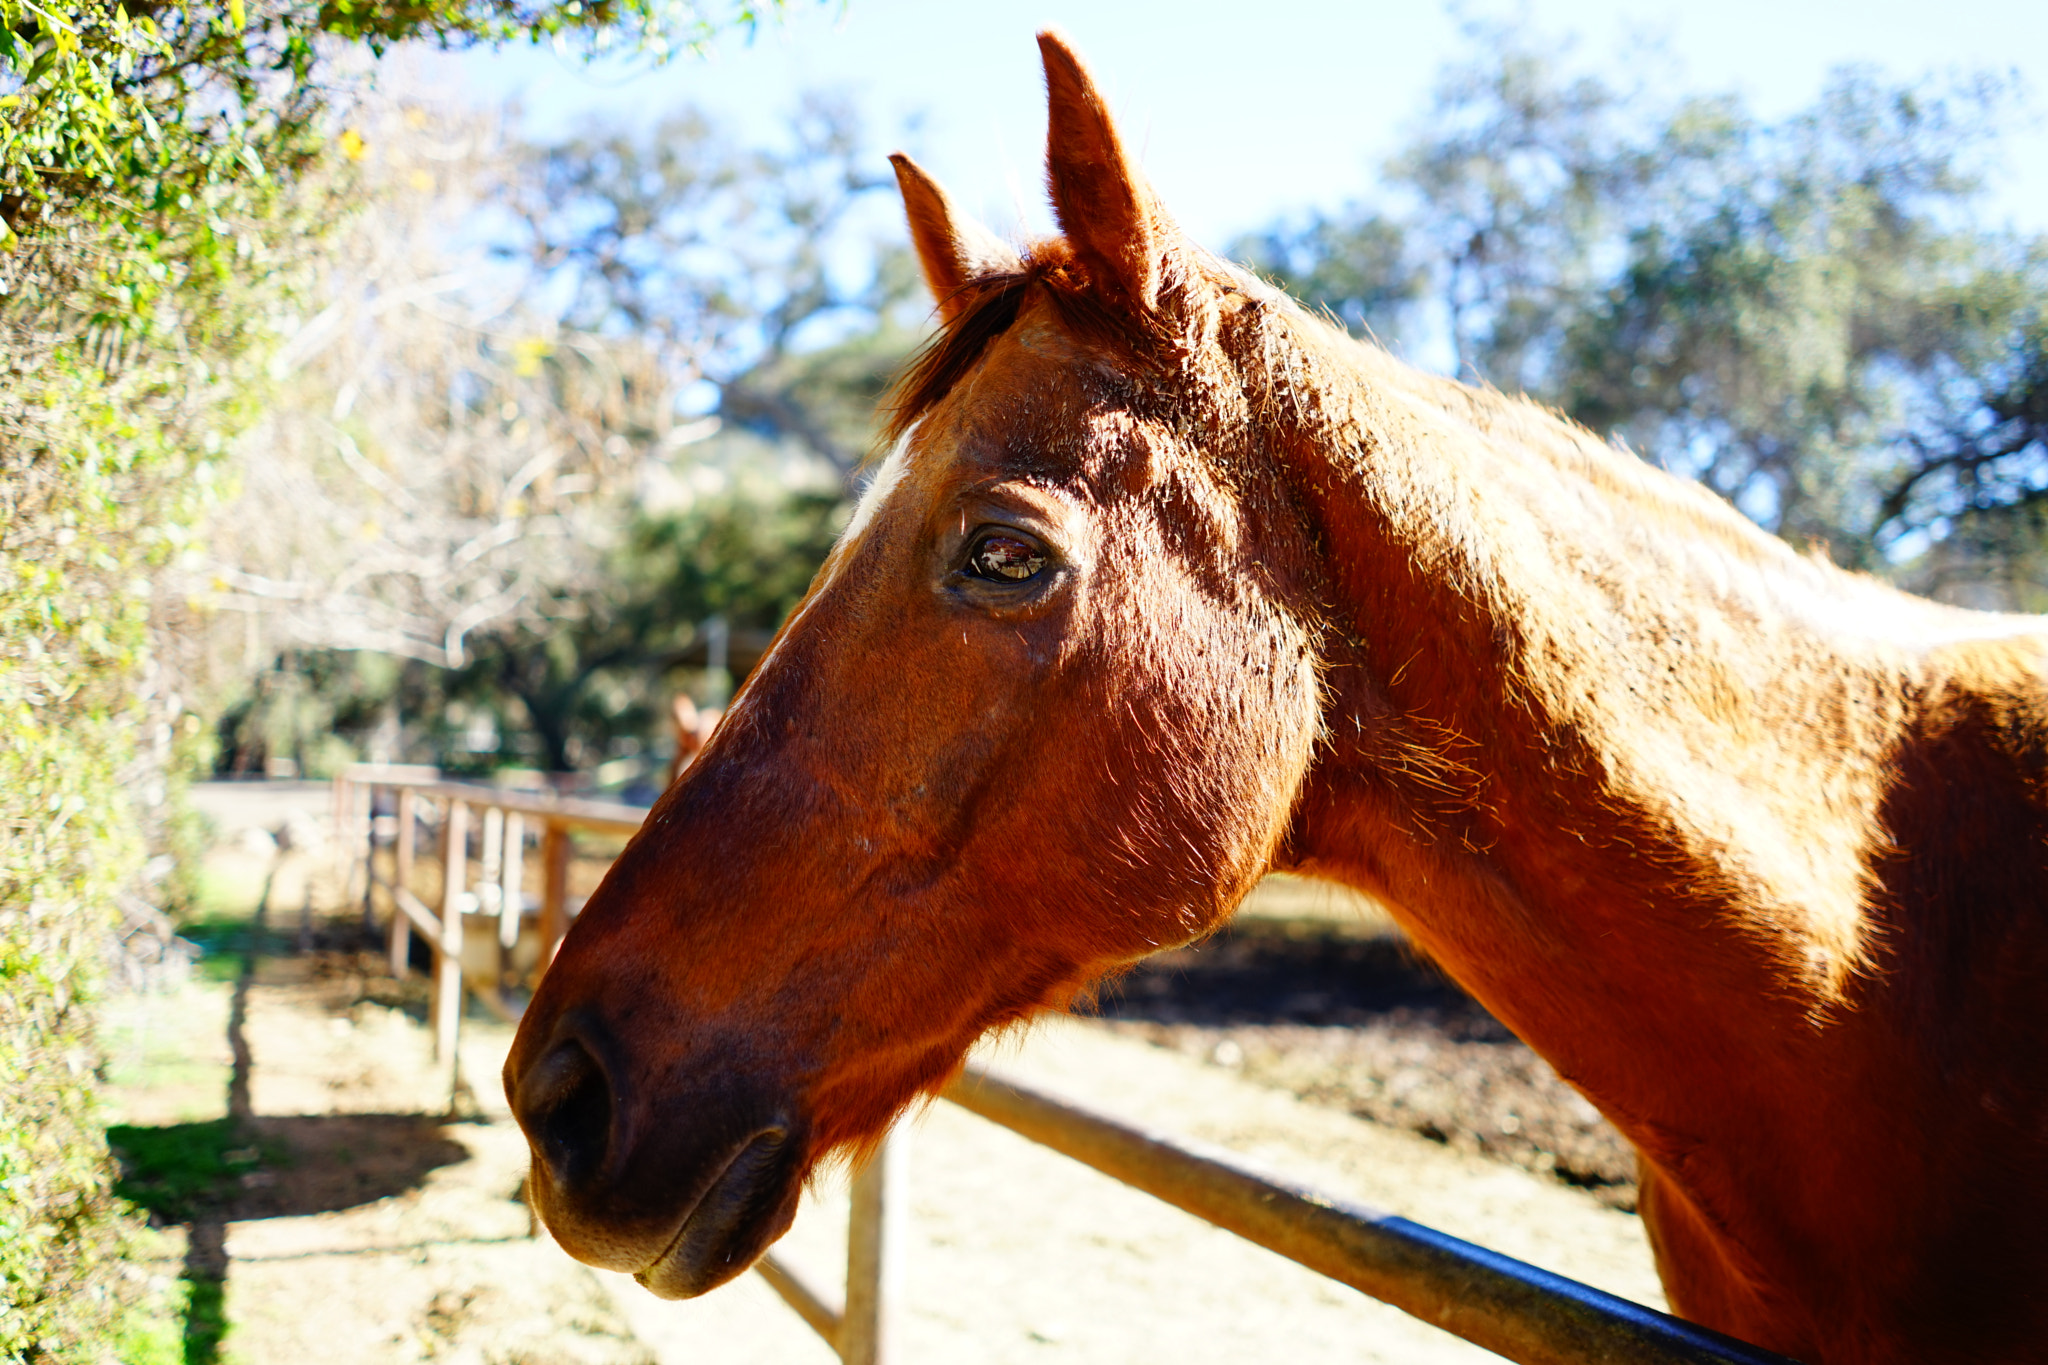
(1467, 413)
(990, 304)
(1296, 365)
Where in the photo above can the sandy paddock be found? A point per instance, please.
(382, 1232)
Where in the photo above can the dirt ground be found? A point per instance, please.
(354, 1220)
(1339, 1011)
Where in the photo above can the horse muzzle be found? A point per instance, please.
(748, 1205)
(684, 1198)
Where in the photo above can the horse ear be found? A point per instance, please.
(1119, 231)
(952, 248)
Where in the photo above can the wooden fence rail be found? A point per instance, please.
(1507, 1306)
(419, 796)
(1516, 1310)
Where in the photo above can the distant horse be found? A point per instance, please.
(691, 725)
(1166, 584)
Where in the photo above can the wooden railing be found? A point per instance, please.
(857, 1324)
(1506, 1306)
(506, 819)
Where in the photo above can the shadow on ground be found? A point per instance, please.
(207, 1175)
(1353, 1017)
(245, 1165)
(277, 1167)
(1275, 971)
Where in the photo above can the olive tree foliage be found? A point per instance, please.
(620, 410)
(724, 291)
(593, 684)
(1977, 477)
(1805, 314)
(772, 282)
(1489, 223)
(757, 271)
(1815, 324)
(435, 459)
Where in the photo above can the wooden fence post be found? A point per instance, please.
(873, 1251)
(511, 884)
(554, 892)
(370, 866)
(448, 952)
(490, 860)
(401, 877)
(361, 833)
(344, 845)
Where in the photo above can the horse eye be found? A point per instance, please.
(1005, 558)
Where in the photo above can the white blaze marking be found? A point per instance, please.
(878, 490)
(872, 497)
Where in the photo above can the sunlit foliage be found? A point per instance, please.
(166, 169)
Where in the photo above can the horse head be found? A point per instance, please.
(1044, 711)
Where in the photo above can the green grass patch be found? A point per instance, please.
(155, 1333)
(180, 1171)
(229, 887)
(157, 1046)
(223, 942)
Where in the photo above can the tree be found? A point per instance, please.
(1796, 327)
(1978, 479)
(747, 271)
(1357, 266)
(1802, 314)
(476, 460)
(744, 266)
(1489, 224)
(436, 459)
(593, 681)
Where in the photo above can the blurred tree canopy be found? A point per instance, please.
(552, 464)
(593, 682)
(746, 267)
(1807, 314)
(582, 689)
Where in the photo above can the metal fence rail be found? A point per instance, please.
(1506, 1306)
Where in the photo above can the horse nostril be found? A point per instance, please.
(565, 1105)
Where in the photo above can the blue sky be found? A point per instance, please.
(1245, 112)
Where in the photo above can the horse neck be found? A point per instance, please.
(1571, 726)
(1631, 772)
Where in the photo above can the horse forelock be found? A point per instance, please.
(1149, 344)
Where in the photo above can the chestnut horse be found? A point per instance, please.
(1166, 584)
